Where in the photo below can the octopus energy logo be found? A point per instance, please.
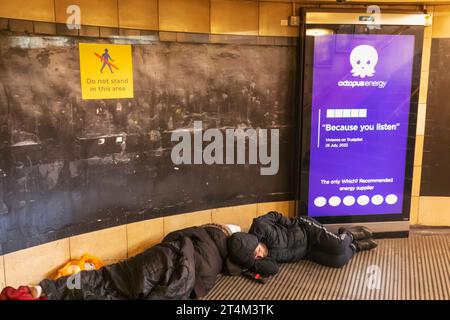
(363, 59)
(234, 143)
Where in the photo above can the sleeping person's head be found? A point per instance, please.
(245, 250)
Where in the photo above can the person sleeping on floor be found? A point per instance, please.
(186, 263)
(274, 238)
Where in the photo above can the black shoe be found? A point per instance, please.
(357, 233)
(366, 244)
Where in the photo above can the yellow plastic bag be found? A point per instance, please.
(86, 262)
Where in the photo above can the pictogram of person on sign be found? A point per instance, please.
(105, 59)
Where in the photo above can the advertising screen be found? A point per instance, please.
(359, 124)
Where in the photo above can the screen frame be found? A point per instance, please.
(305, 76)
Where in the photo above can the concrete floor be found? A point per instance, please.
(413, 268)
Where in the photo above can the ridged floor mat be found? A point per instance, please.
(413, 268)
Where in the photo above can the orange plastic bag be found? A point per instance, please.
(86, 262)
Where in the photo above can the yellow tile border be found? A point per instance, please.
(133, 22)
(441, 21)
(284, 207)
(428, 33)
(275, 29)
(202, 217)
(136, 242)
(414, 211)
(421, 119)
(434, 211)
(223, 10)
(423, 93)
(29, 11)
(426, 55)
(417, 175)
(437, 10)
(418, 151)
(78, 244)
(244, 220)
(175, 20)
(45, 260)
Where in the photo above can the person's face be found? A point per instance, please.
(261, 251)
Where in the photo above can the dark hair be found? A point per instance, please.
(241, 248)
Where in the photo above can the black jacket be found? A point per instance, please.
(185, 265)
(210, 254)
(284, 237)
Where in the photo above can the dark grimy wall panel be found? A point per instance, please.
(436, 151)
(57, 180)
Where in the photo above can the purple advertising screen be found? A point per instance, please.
(359, 124)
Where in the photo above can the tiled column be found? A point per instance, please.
(421, 122)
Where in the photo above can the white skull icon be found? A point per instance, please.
(364, 58)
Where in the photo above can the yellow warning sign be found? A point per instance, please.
(106, 71)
